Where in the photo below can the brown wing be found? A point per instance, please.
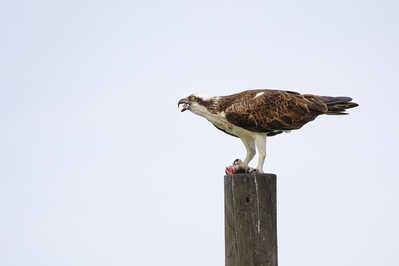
(274, 110)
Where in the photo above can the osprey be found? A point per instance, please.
(253, 115)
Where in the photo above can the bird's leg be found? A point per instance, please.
(250, 147)
(260, 142)
(240, 166)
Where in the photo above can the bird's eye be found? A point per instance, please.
(192, 98)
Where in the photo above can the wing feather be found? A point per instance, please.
(274, 110)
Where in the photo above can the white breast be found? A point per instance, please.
(220, 121)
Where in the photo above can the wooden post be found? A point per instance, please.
(250, 220)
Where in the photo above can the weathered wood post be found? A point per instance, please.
(250, 220)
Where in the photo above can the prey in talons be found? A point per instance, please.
(239, 167)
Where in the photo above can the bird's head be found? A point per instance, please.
(200, 105)
(191, 103)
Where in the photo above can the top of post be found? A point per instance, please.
(242, 175)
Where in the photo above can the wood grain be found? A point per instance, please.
(250, 220)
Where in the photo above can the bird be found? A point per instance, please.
(254, 115)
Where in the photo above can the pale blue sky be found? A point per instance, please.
(100, 168)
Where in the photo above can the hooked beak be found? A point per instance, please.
(186, 104)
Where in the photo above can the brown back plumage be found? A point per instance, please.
(273, 111)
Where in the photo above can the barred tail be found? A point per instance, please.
(338, 105)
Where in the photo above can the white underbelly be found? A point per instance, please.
(222, 123)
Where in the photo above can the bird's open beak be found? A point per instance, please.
(186, 104)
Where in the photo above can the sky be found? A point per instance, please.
(98, 167)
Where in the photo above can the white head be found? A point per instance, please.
(198, 105)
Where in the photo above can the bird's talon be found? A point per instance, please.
(238, 167)
(252, 170)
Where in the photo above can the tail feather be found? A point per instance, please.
(338, 105)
